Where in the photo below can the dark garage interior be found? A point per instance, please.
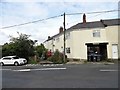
(96, 52)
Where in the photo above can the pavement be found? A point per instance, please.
(78, 62)
(60, 76)
(45, 62)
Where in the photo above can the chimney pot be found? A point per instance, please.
(60, 29)
(48, 37)
(84, 18)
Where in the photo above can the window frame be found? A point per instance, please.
(67, 35)
(96, 33)
(57, 39)
(68, 51)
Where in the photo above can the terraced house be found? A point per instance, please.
(97, 38)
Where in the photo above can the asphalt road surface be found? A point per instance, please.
(60, 76)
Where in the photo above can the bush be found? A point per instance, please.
(85, 61)
(32, 61)
(57, 58)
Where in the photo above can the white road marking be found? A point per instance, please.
(4, 69)
(44, 65)
(48, 69)
(107, 70)
(52, 65)
(23, 70)
(41, 69)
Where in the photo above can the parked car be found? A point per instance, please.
(12, 60)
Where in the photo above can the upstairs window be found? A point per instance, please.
(96, 33)
(68, 50)
(57, 39)
(67, 35)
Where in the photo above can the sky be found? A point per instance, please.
(14, 12)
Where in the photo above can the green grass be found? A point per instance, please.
(32, 62)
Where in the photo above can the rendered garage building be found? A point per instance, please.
(87, 38)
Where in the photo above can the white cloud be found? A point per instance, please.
(34, 9)
(17, 13)
(22, 13)
(24, 10)
(60, 0)
(3, 38)
(85, 7)
(38, 31)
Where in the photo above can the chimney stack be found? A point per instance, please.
(49, 37)
(84, 18)
(60, 29)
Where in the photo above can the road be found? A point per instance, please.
(60, 76)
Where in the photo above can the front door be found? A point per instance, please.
(114, 51)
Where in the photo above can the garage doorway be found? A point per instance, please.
(96, 52)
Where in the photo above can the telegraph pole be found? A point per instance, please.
(64, 37)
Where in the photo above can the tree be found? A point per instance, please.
(40, 49)
(8, 49)
(21, 46)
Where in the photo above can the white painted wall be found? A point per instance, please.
(119, 42)
(78, 39)
(81, 37)
(112, 38)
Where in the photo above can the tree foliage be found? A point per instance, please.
(21, 46)
(8, 49)
(40, 49)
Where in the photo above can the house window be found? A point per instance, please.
(57, 39)
(68, 50)
(67, 35)
(96, 33)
